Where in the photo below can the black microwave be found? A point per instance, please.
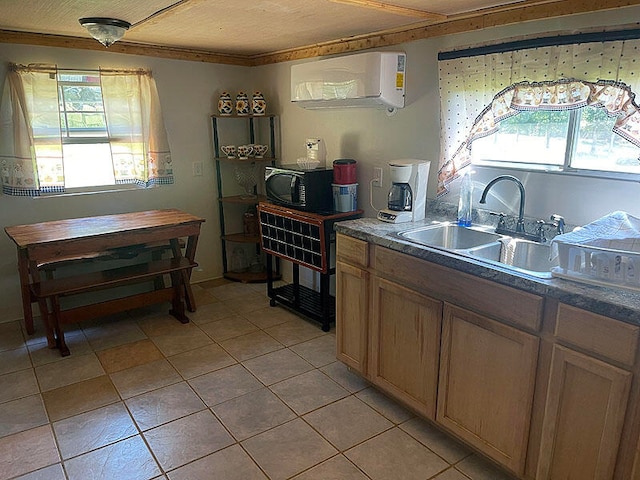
(308, 190)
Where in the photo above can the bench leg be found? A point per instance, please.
(186, 274)
(55, 308)
(45, 315)
(177, 303)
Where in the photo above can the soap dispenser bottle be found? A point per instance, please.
(464, 203)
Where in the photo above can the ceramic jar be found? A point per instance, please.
(225, 104)
(242, 104)
(258, 104)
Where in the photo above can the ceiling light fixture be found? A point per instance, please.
(106, 30)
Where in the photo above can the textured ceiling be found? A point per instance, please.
(263, 31)
(245, 27)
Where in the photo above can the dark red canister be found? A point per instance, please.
(344, 171)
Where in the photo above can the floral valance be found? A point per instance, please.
(616, 98)
(547, 78)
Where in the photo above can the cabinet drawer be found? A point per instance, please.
(483, 296)
(598, 334)
(352, 250)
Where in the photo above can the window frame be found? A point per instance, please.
(68, 139)
(66, 131)
(566, 168)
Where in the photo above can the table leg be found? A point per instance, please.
(23, 271)
(190, 253)
(177, 305)
(46, 314)
(60, 342)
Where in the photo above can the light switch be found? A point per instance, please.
(197, 169)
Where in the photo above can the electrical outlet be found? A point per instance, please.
(197, 169)
(377, 177)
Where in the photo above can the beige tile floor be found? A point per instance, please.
(245, 391)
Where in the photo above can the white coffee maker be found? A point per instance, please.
(407, 199)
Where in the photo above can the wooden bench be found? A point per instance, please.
(49, 291)
(155, 250)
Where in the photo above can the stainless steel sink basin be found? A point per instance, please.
(523, 255)
(480, 243)
(449, 236)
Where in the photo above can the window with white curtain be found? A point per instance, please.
(562, 108)
(584, 139)
(86, 153)
(67, 131)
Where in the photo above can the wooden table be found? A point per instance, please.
(45, 243)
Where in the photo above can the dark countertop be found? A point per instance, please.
(618, 303)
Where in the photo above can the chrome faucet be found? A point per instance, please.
(520, 224)
(556, 222)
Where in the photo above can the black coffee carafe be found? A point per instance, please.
(400, 197)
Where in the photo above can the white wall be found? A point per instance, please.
(189, 94)
(372, 138)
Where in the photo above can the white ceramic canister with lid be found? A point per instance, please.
(242, 104)
(258, 104)
(225, 104)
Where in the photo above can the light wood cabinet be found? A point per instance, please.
(477, 294)
(405, 344)
(487, 380)
(608, 338)
(539, 386)
(589, 387)
(352, 302)
(352, 314)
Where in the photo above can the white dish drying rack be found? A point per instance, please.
(617, 264)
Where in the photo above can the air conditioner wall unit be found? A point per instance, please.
(372, 79)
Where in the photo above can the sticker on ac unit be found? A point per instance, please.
(400, 72)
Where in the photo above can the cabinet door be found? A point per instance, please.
(487, 378)
(352, 310)
(405, 344)
(584, 414)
